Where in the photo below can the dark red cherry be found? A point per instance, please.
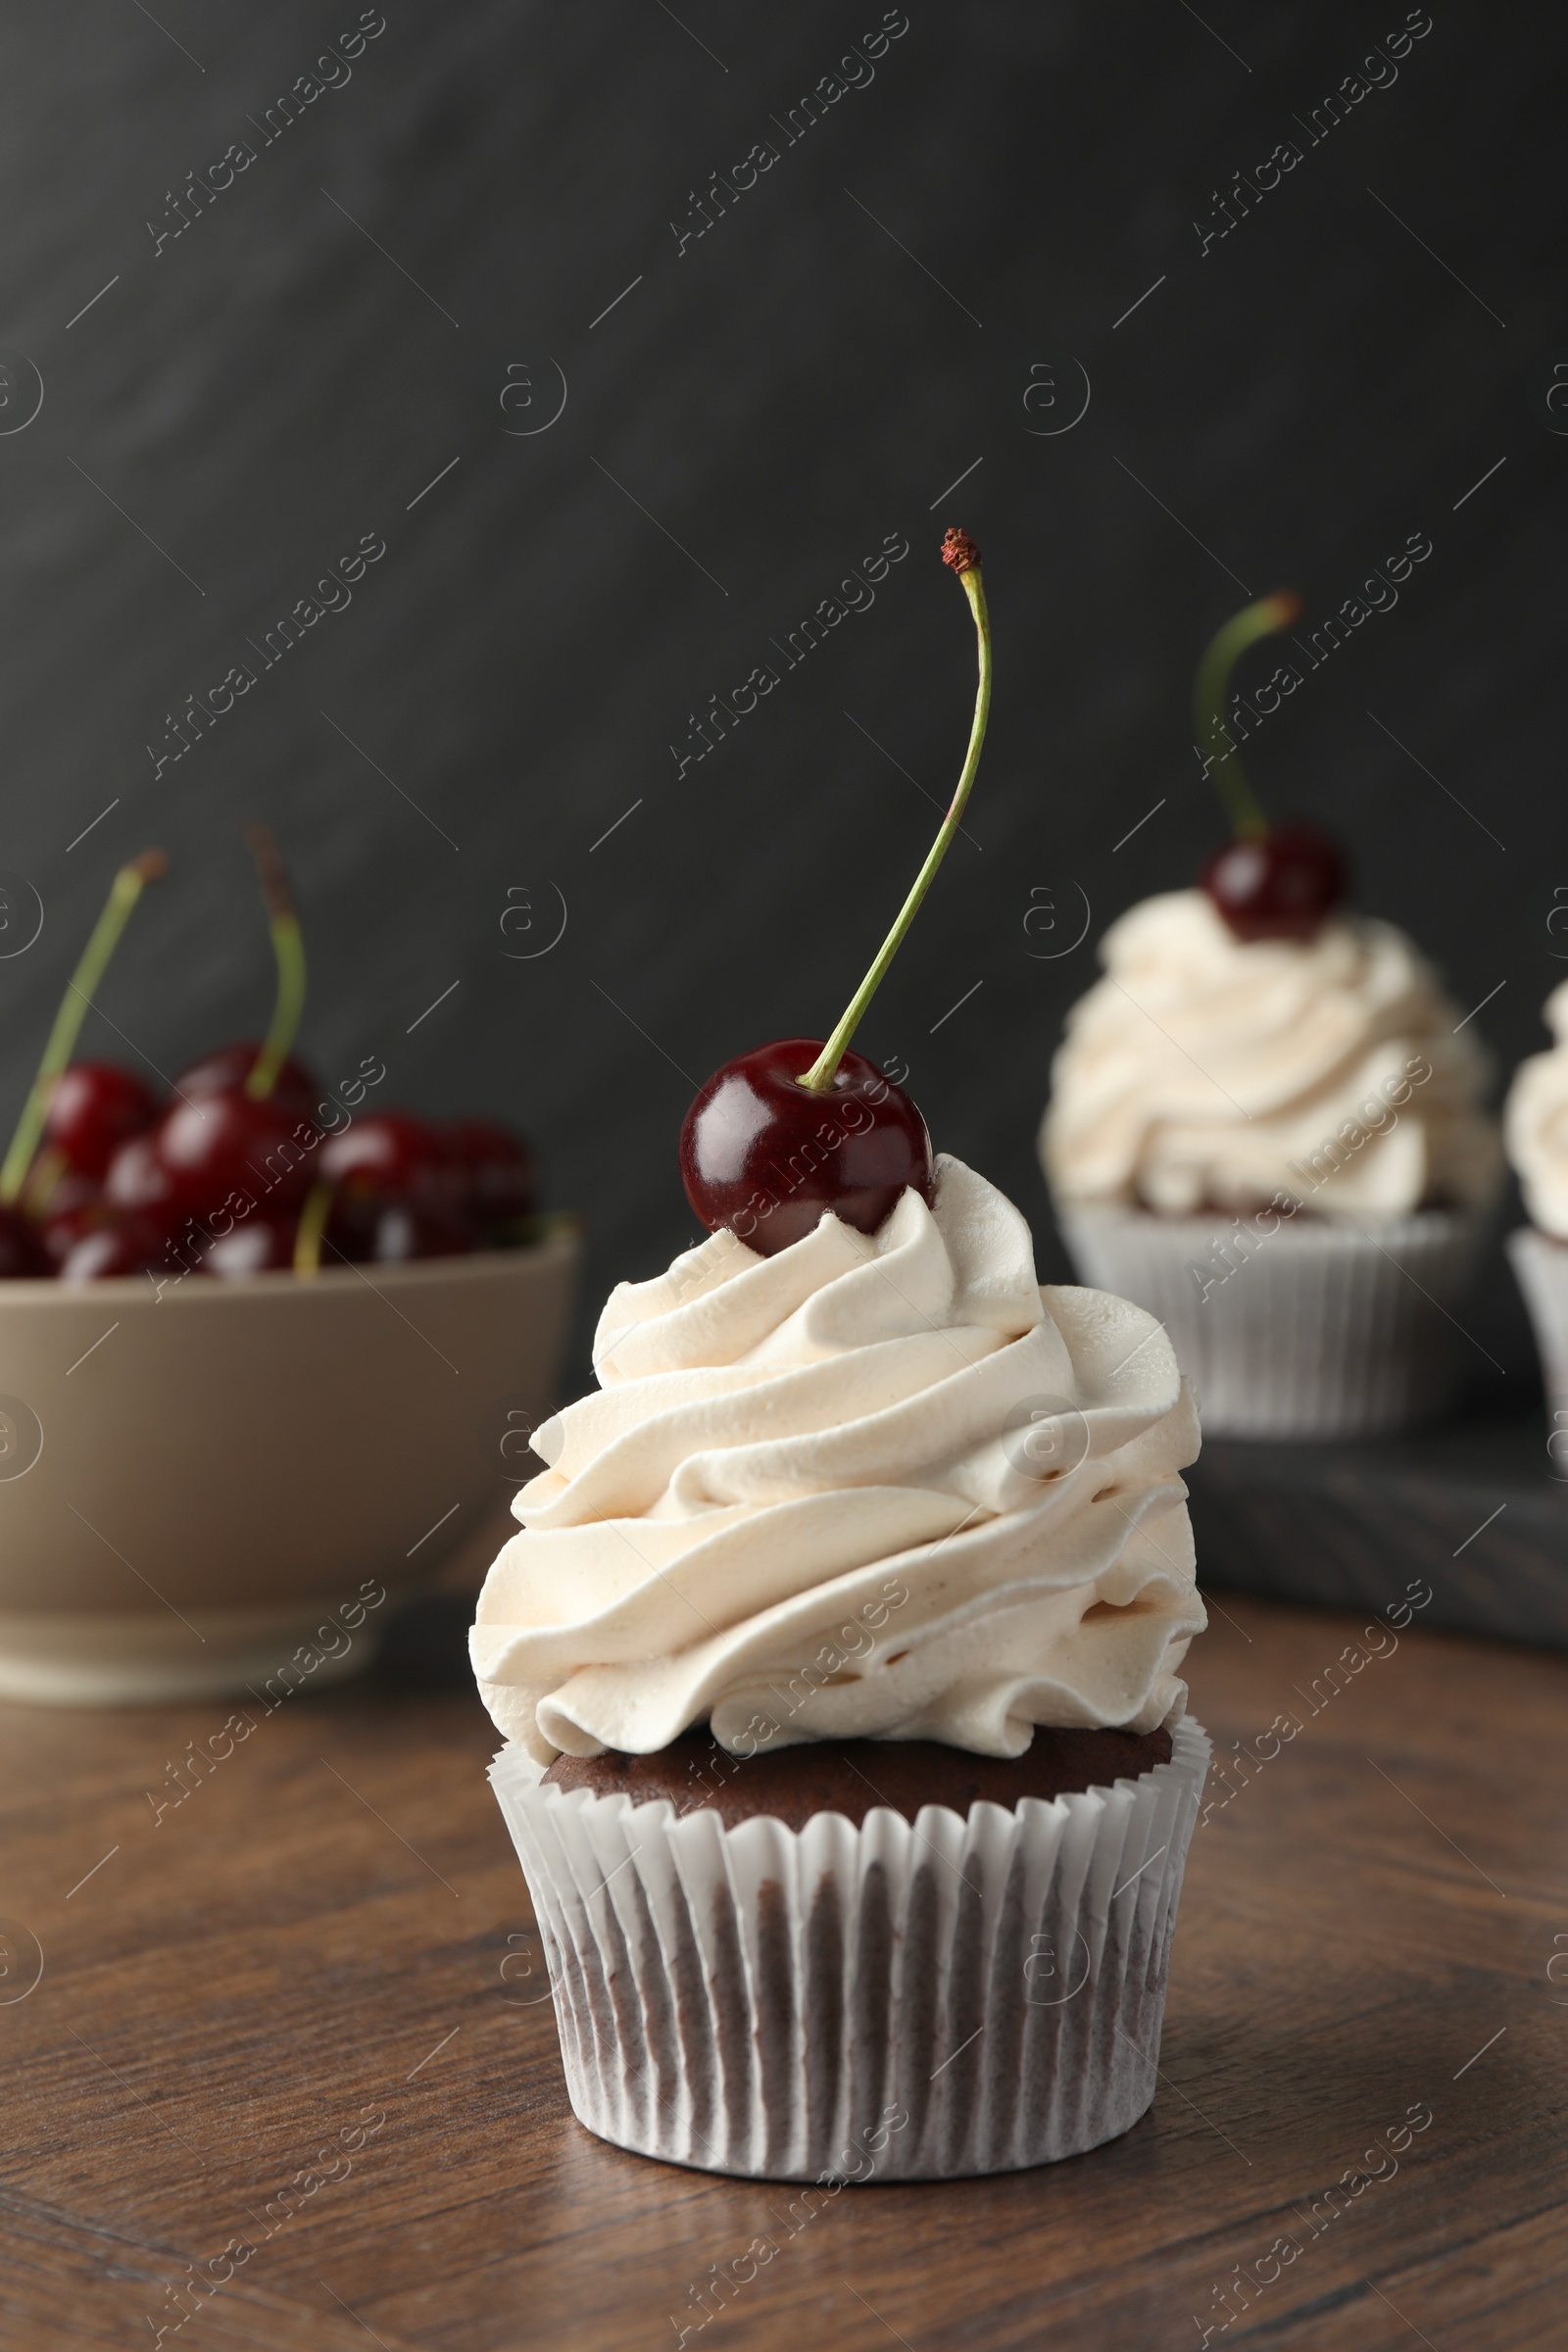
(71, 1192)
(137, 1179)
(392, 1153)
(93, 1109)
(130, 1245)
(396, 1232)
(21, 1252)
(350, 1231)
(226, 1071)
(62, 1228)
(764, 1158)
(257, 1245)
(498, 1168)
(1282, 884)
(71, 1200)
(221, 1143)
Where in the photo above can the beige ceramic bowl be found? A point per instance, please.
(207, 1491)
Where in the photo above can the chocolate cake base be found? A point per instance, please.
(851, 1776)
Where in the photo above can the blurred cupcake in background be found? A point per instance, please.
(1266, 1127)
(1535, 1129)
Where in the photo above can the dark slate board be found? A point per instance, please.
(1475, 1510)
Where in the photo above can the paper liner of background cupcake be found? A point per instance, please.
(1265, 1126)
(837, 1660)
(1536, 1122)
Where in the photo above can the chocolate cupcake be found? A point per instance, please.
(1277, 1146)
(847, 1756)
(1267, 1125)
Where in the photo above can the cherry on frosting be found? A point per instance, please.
(790, 1131)
(761, 1156)
(1282, 884)
(1268, 881)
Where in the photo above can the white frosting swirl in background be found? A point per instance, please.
(1207, 1072)
(1536, 1123)
(877, 1485)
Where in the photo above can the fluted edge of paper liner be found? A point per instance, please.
(1321, 1331)
(898, 2001)
(1540, 1269)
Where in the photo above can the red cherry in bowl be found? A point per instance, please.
(220, 1143)
(1282, 884)
(137, 1179)
(257, 1244)
(396, 1232)
(226, 1071)
(393, 1152)
(22, 1254)
(768, 1158)
(498, 1168)
(95, 1107)
(131, 1245)
(62, 1228)
(70, 1192)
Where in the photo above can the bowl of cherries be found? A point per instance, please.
(268, 1346)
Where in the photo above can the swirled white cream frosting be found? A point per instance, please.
(1536, 1123)
(1207, 1072)
(877, 1485)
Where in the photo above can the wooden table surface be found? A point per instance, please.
(296, 2011)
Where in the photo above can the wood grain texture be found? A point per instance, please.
(316, 1937)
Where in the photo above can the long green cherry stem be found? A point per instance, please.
(311, 1231)
(1209, 688)
(960, 552)
(288, 947)
(126, 889)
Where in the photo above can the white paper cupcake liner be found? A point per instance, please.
(894, 2003)
(1317, 1329)
(1541, 1267)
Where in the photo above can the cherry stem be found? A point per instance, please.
(126, 889)
(1210, 687)
(819, 1077)
(312, 1230)
(288, 947)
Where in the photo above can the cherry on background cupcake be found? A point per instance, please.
(1266, 1127)
(1268, 881)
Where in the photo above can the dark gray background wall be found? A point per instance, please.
(1008, 203)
